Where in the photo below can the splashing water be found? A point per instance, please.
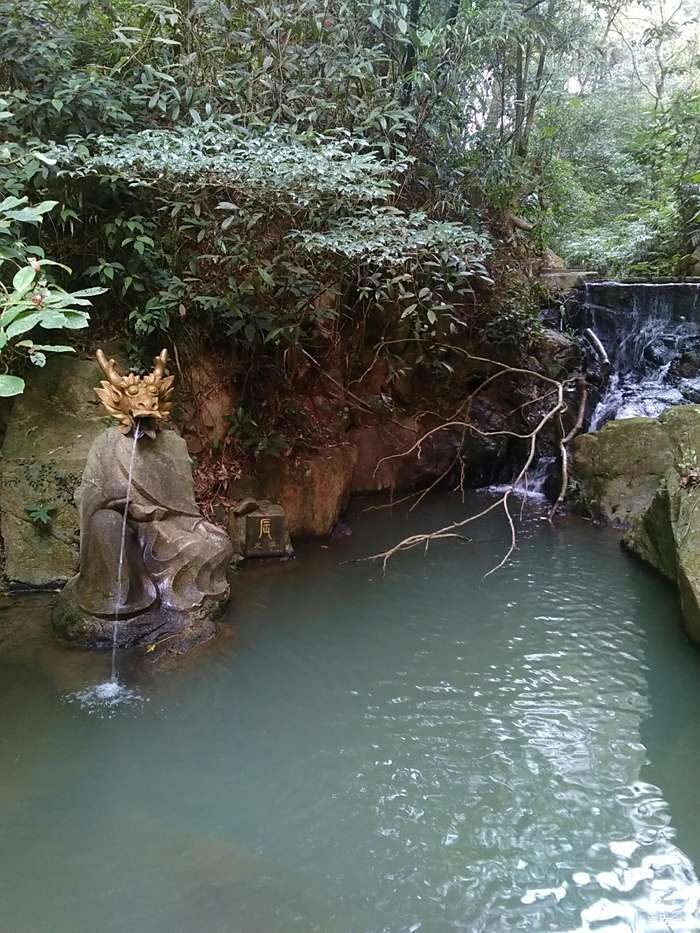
(532, 485)
(643, 328)
(122, 546)
(105, 699)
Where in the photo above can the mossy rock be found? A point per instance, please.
(645, 474)
(50, 430)
(617, 470)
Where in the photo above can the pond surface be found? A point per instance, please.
(427, 751)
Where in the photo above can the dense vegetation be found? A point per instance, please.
(257, 177)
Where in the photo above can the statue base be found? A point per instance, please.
(157, 628)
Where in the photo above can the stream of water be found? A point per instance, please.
(651, 334)
(427, 751)
(119, 598)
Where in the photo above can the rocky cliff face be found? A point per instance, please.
(50, 430)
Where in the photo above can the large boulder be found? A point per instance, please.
(312, 489)
(644, 475)
(617, 470)
(49, 433)
(667, 534)
(558, 354)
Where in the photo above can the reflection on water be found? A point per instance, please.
(427, 751)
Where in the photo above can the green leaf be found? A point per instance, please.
(88, 292)
(53, 319)
(44, 158)
(40, 512)
(46, 347)
(52, 262)
(22, 324)
(74, 320)
(11, 202)
(11, 385)
(26, 215)
(23, 279)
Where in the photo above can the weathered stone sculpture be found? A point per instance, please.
(173, 575)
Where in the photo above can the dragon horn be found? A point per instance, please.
(159, 364)
(110, 370)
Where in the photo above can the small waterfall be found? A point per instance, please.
(122, 546)
(651, 336)
(532, 485)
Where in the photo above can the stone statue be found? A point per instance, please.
(173, 575)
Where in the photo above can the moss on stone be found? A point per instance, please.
(49, 433)
(649, 471)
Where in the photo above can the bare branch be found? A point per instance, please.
(452, 530)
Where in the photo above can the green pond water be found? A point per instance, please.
(426, 751)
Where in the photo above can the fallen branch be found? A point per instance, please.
(565, 441)
(556, 388)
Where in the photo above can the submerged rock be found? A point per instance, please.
(644, 474)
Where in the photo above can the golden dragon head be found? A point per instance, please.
(132, 397)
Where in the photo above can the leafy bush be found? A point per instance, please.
(30, 300)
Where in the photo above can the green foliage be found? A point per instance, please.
(252, 438)
(267, 167)
(30, 299)
(617, 155)
(40, 514)
(259, 176)
(386, 236)
(516, 323)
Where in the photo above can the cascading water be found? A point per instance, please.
(118, 601)
(532, 485)
(651, 335)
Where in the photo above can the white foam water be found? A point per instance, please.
(106, 699)
(531, 486)
(643, 318)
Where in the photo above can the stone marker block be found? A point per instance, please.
(260, 531)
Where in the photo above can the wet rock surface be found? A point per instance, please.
(644, 475)
(617, 470)
(312, 490)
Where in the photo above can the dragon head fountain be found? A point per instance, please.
(132, 397)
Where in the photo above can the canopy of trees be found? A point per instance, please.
(267, 173)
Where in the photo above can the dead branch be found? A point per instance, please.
(565, 441)
(556, 387)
